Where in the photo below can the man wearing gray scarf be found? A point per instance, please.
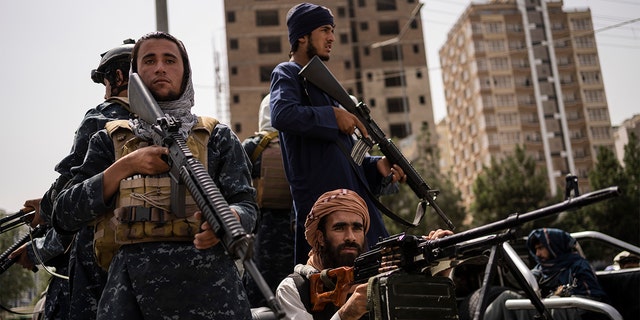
(166, 266)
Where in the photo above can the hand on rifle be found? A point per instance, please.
(206, 238)
(356, 305)
(437, 234)
(394, 171)
(348, 122)
(22, 258)
(147, 161)
(33, 205)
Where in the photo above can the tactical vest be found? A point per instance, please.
(272, 187)
(143, 204)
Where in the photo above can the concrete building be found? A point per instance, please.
(622, 132)
(524, 72)
(379, 56)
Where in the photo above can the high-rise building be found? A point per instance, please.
(378, 56)
(622, 132)
(524, 72)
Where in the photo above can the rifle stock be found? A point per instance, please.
(187, 171)
(413, 254)
(319, 75)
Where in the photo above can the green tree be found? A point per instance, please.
(618, 217)
(405, 202)
(514, 185)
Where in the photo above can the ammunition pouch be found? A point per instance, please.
(143, 208)
(401, 295)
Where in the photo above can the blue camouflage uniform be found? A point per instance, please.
(170, 280)
(84, 275)
(314, 162)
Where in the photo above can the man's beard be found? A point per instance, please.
(332, 258)
(312, 51)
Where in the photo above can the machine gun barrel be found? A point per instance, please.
(319, 75)
(519, 219)
(187, 171)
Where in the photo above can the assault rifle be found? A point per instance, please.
(317, 73)
(5, 262)
(187, 171)
(414, 254)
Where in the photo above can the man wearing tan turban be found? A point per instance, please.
(335, 229)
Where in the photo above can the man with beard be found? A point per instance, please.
(316, 132)
(168, 264)
(335, 229)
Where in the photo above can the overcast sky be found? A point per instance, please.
(49, 48)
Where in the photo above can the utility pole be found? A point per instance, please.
(162, 22)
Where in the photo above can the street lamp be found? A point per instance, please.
(396, 41)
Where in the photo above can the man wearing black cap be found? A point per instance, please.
(315, 131)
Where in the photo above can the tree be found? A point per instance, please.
(618, 217)
(514, 185)
(405, 202)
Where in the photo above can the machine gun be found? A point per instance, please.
(317, 73)
(5, 262)
(187, 171)
(413, 254)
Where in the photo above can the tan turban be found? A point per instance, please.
(343, 200)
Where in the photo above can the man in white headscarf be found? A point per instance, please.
(167, 265)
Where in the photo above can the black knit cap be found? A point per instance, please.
(306, 17)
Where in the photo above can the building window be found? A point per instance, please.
(265, 73)
(587, 59)
(233, 44)
(236, 98)
(502, 82)
(601, 132)
(499, 63)
(237, 127)
(505, 100)
(598, 114)
(364, 26)
(399, 130)
(267, 18)
(388, 28)
(508, 119)
(593, 96)
(385, 5)
(234, 71)
(342, 12)
(397, 105)
(590, 77)
(493, 27)
(362, 3)
(584, 42)
(231, 16)
(581, 24)
(347, 64)
(510, 137)
(344, 38)
(393, 79)
(269, 45)
(416, 48)
(390, 53)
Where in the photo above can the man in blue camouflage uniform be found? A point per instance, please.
(156, 279)
(77, 298)
(273, 246)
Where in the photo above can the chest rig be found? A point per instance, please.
(143, 210)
